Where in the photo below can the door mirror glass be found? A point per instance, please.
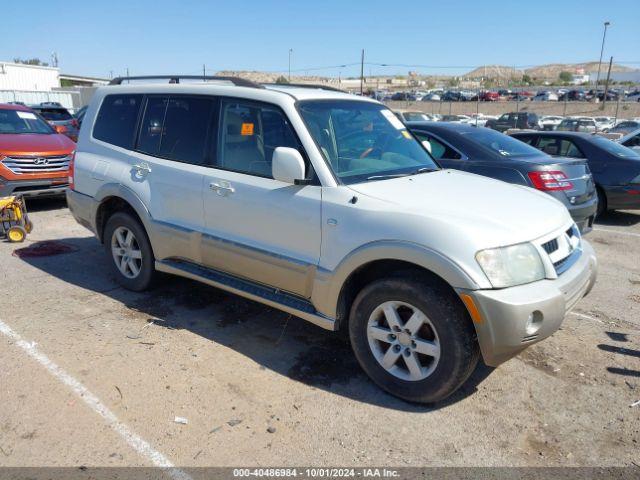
(287, 165)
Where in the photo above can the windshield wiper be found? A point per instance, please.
(424, 170)
(392, 175)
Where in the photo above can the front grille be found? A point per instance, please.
(551, 246)
(32, 164)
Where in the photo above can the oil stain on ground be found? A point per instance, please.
(44, 249)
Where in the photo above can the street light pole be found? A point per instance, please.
(604, 36)
(290, 52)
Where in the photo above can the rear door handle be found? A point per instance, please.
(222, 188)
(142, 168)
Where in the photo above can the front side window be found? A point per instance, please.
(438, 149)
(117, 118)
(363, 141)
(18, 121)
(249, 134)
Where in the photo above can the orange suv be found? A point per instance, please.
(34, 158)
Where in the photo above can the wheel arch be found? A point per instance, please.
(114, 198)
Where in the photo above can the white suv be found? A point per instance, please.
(324, 205)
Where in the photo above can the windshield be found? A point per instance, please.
(615, 148)
(363, 141)
(501, 143)
(17, 121)
(55, 114)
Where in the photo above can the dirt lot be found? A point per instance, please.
(624, 109)
(95, 375)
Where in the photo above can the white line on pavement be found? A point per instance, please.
(137, 443)
(588, 317)
(631, 234)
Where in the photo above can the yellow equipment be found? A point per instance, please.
(14, 221)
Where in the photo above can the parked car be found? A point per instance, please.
(631, 140)
(479, 119)
(633, 97)
(79, 115)
(455, 118)
(624, 127)
(615, 168)
(431, 97)
(550, 122)
(572, 96)
(581, 124)
(412, 116)
(323, 205)
(489, 96)
(545, 97)
(34, 159)
(603, 124)
(493, 154)
(524, 120)
(403, 97)
(59, 117)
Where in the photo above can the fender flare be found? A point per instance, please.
(329, 284)
(120, 191)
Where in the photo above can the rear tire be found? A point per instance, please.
(129, 251)
(424, 364)
(602, 203)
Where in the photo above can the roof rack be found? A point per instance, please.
(306, 85)
(238, 82)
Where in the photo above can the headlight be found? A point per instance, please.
(510, 266)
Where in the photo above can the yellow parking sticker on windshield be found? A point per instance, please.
(247, 129)
(406, 134)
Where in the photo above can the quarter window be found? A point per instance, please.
(249, 135)
(116, 120)
(438, 149)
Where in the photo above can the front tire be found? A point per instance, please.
(413, 338)
(129, 251)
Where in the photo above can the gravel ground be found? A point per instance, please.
(258, 388)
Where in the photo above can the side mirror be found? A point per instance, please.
(287, 165)
(427, 145)
(60, 128)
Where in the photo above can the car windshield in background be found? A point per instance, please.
(615, 148)
(501, 143)
(363, 141)
(55, 114)
(17, 121)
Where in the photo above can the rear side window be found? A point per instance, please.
(176, 128)
(116, 120)
(55, 114)
(438, 149)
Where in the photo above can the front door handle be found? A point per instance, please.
(222, 188)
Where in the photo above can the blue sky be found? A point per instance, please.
(158, 36)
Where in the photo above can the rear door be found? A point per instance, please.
(168, 166)
(256, 227)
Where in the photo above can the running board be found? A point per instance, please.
(254, 291)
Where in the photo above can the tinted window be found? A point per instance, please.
(614, 148)
(438, 149)
(117, 119)
(559, 147)
(249, 134)
(54, 114)
(503, 144)
(151, 127)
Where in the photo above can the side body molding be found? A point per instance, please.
(328, 284)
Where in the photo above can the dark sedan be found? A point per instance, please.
(493, 154)
(615, 168)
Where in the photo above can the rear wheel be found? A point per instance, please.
(413, 339)
(127, 244)
(602, 203)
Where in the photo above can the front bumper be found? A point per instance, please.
(33, 188)
(584, 214)
(514, 318)
(83, 209)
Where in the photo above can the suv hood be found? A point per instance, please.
(35, 144)
(489, 212)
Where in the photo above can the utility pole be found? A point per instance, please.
(362, 72)
(204, 72)
(290, 52)
(604, 36)
(606, 85)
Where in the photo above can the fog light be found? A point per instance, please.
(534, 322)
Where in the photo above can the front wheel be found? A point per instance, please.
(415, 340)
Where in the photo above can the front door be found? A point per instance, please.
(256, 227)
